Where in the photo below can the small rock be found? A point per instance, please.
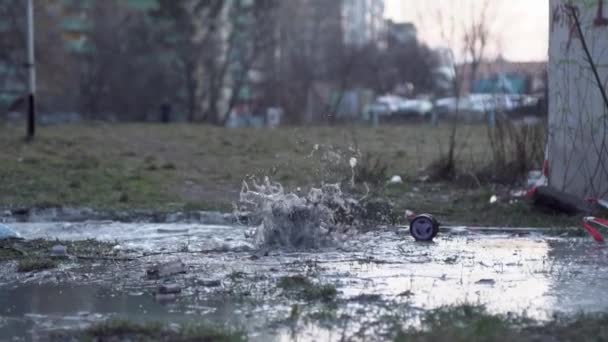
(210, 283)
(166, 269)
(59, 251)
(407, 294)
(259, 253)
(518, 193)
(169, 288)
(451, 260)
(396, 179)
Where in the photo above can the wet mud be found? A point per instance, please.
(378, 276)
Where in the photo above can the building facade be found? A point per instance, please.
(578, 113)
(75, 19)
(363, 22)
(400, 33)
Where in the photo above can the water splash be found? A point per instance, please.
(315, 219)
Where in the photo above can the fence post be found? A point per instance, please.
(31, 98)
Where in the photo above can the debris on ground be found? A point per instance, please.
(210, 282)
(588, 224)
(169, 288)
(551, 198)
(518, 194)
(536, 178)
(36, 264)
(166, 269)
(59, 251)
(172, 231)
(486, 282)
(602, 203)
(406, 293)
(396, 179)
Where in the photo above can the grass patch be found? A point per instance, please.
(197, 167)
(150, 165)
(36, 264)
(457, 205)
(474, 323)
(461, 323)
(122, 330)
(302, 287)
(32, 251)
(327, 316)
(291, 282)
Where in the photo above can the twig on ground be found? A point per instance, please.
(106, 258)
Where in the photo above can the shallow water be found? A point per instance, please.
(379, 273)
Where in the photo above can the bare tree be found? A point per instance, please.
(12, 52)
(122, 72)
(310, 49)
(474, 39)
(218, 45)
(190, 30)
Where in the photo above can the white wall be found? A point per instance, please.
(578, 145)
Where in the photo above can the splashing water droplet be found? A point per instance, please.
(319, 218)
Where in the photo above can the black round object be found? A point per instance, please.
(424, 227)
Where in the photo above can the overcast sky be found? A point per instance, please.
(519, 27)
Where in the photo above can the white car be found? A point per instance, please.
(415, 107)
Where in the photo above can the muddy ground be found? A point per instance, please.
(370, 286)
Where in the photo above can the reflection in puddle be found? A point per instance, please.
(532, 275)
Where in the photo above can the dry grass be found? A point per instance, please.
(195, 167)
(473, 323)
(151, 165)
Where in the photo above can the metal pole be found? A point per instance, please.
(31, 66)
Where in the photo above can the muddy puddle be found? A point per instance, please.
(380, 277)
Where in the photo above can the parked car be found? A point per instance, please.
(392, 107)
(376, 108)
(415, 109)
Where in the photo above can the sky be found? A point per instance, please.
(519, 29)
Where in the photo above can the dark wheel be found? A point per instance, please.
(424, 227)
